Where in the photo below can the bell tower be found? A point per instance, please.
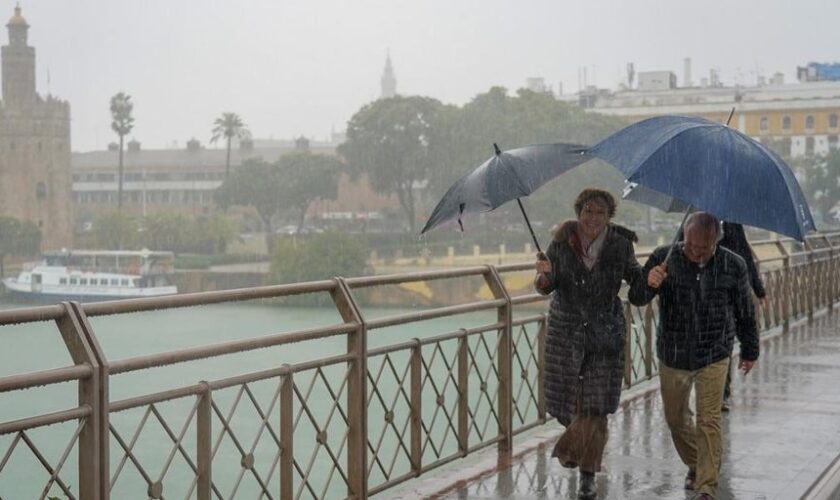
(18, 64)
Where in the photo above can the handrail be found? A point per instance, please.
(494, 363)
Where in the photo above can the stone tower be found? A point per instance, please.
(389, 80)
(35, 178)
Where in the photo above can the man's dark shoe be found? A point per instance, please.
(586, 490)
(725, 406)
(690, 478)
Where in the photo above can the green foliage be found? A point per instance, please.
(821, 182)
(171, 231)
(323, 256)
(398, 142)
(229, 125)
(307, 177)
(122, 122)
(116, 231)
(256, 183)
(18, 238)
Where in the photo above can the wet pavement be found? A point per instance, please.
(782, 433)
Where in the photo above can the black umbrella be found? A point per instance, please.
(508, 175)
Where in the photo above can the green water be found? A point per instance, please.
(38, 346)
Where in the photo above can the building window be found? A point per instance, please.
(809, 122)
(115, 282)
(832, 142)
(83, 281)
(124, 282)
(809, 145)
(832, 120)
(73, 281)
(786, 123)
(762, 124)
(62, 281)
(40, 190)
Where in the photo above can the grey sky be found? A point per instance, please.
(305, 66)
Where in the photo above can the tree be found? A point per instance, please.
(307, 177)
(397, 142)
(323, 256)
(122, 123)
(116, 230)
(229, 125)
(821, 182)
(170, 231)
(17, 238)
(257, 184)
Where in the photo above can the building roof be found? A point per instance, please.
(177, 159)
(17, 19)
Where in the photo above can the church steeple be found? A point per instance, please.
(18, 64)
(389, 80)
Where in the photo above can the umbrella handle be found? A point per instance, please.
(528, 222)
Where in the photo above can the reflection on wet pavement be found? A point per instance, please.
(783, 431)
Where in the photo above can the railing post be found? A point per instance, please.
(463, 393)
(541, 337)
(832, 279)
(287, 436)
(628, 345)
(416, 368)
(357, 464)
(786, 286)
(94, 478)
(204, 443)
(812, 277)
(505, 359)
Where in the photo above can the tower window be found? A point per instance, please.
(809, 122)
(832, 120)
(41, 191)
(809, 145)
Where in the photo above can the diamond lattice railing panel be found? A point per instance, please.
(321, 432)
(483, 386)
(525, 373)
(153, 450)
(389, 416)
(47, 457)
(246, 442)
(440, 400)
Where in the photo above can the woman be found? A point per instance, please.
(584, 267)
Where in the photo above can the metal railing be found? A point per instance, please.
(350, 424)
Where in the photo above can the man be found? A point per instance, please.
(704, 302)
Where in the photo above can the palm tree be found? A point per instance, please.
(229, 125)
(121, 122)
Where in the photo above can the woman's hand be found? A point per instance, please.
(543, 264)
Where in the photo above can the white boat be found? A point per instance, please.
(94, 275)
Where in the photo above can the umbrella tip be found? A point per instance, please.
(496, 147)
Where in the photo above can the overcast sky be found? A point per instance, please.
(303, 67)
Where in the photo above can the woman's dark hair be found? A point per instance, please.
(592, 193)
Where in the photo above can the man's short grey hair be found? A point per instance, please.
(705, 221)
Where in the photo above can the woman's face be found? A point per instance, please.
(593, 218)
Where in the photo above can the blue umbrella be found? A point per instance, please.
(507, 175)
(710, 167)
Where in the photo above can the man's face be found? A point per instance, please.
(700, 244)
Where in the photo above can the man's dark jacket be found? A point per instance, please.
(701, 309)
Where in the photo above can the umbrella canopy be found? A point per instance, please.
(506, 176)
(646, 196)
(712, 168)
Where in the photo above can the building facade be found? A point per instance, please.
(795, 119)
(184, 180)
(35, 177)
